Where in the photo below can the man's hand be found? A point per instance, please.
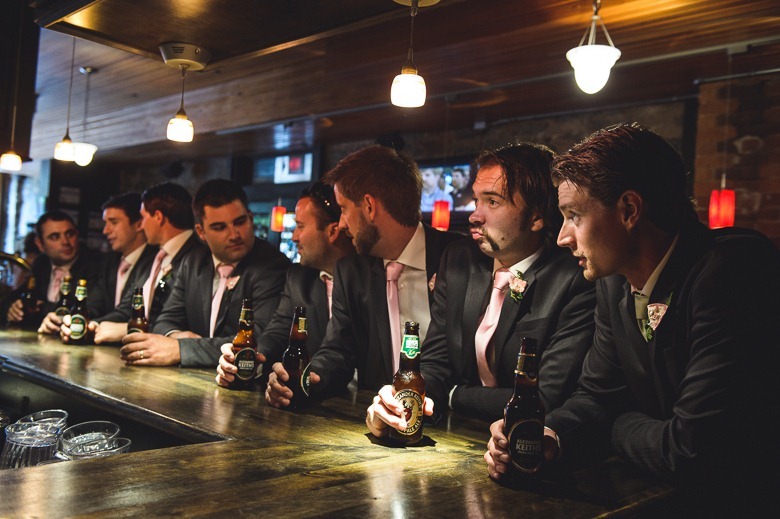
(277, 394)
(226, 370)
(497, 455)
(387, 411)
(15, 312)
(51, 324)
(65, 328)
(108, 332)
(149, 349)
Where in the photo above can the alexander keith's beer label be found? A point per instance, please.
(246, 362)
(78, 327)
(410, 346)
(525, 445)
(413, 410)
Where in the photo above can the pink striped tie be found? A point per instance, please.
(224, 271)
(151, 282)
(329, 290)
(488, 326)
(392, 274)
(121, 279)
(54, 286)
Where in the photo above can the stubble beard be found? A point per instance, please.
(366, 238)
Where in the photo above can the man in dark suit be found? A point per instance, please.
(61, 255)
(680, 380)
(468, 367)
(203, 309)
(320, 245)
(379, 192)
(129, 265)
(166, 221)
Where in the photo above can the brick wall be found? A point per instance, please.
(745, 144)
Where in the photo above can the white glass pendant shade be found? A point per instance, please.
(83, 152)
(10, 161)
(408, 90)
(64, 150)
(180, 129)
(592, 65)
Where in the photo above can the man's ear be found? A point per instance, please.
(39, 244)
(201, 233)
(537, 222)
(332, 232)
(371, 207)
(631, 207)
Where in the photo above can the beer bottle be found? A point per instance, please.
(409, 386)
(79, 315)
(296, 359)
(138, 321)
(245, 348)
(30, 307)
(65, 300)
(524, 413)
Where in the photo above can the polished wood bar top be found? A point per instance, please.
(256, 460)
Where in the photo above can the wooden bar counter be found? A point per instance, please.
(238, 456)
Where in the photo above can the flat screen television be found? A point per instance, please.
(448, 179)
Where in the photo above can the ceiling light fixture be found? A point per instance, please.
(183, 56)
(64, 149)
(591, 62)
(10, 160)
(723, 202)
(84, 151)
(408, 90)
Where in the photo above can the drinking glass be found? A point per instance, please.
(57, 417)
(28, 443)
(86, 437)
(109, 447)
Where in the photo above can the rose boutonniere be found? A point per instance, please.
(517, 286)
(231, 282)
(655, 312)
(432, 283)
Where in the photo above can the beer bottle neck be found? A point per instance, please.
(526, 373)
(407, 364)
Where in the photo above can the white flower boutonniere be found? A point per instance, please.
(517, 286)
(231, 282)
(432, 283)
(655, 312)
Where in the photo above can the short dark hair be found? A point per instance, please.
(130, 203)
(216, 193)
(173, 201)
(630, 157)
(388, 176)
(526, 168)
(55, 215)
(327, 210)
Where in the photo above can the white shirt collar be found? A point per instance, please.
(653, 279)
(173, 245)
(413, 254)
(132, 258)
(522, 265)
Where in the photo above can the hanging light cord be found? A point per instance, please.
(726, 124)
(16, 77)
(87, 72)
(183, 75)
(410, 54)
(70, 86)
(590, 32)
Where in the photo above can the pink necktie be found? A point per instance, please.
(54, 285)
(329, 290)
(224, 271)
(488, 325)
(151, 282)
(392, 273)
(121, 279)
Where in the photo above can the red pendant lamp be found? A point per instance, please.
(722, 206)
(277, 217)
(441, 215)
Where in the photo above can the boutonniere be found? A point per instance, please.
(517, 286)
(432, 283)
(655, 312)
(231, 282)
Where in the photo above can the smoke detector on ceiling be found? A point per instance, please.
(177, 55)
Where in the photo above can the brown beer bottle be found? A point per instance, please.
(138, 321)
(245, 348)
(79, 315)
(32, 311)
(409, 386)
(65, 300)
(296, 359)
(524, 413)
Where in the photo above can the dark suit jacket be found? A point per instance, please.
(136, 277)
(89, 265)
(303, 287)
(261, 277)
(556, 309)
(162, 291)
(694, 401)
(359, 332)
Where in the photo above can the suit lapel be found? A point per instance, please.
(477, 296)
(432, 256)
(639, 347)
(511, 312)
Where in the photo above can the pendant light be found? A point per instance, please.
(277, 217)
(10, 160)
(64, 149)
(183, 56)
(591, 62)
(723, 206)
(408, 90)
(83, 151)
(440, 219)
